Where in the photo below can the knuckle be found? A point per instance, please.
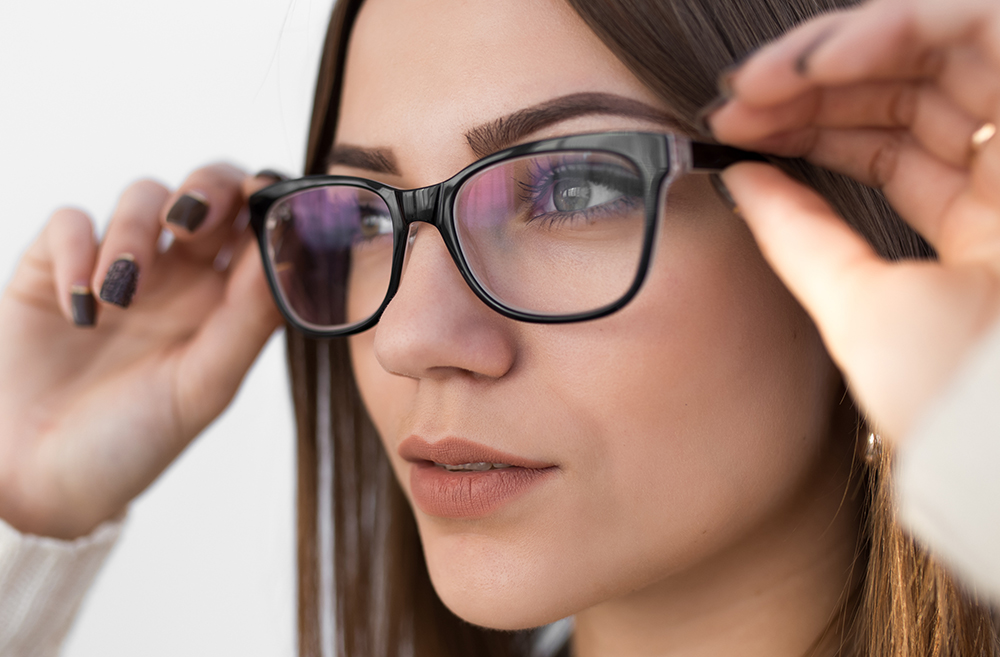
(991, 101)
(219, 175)
(140, 195)
(69, 218)
(903, 105)
(884, 161)
(801, 143)
(930, 62)
(146, 186)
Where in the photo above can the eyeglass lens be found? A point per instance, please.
(551, 234)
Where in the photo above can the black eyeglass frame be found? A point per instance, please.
(659, 158)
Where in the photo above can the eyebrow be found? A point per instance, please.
(379, 160)
(505, 131)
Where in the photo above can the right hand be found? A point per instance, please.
(91, 416)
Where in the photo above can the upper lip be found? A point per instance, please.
(456, 451)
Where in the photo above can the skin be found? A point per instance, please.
(697, 505)
(697, 479)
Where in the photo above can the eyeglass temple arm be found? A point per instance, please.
(713, 158)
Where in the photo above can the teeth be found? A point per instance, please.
(481, 466)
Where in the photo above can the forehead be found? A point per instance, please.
(419, 73)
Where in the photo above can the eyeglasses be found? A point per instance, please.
(554, 231)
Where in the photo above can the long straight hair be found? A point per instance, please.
(363, 587)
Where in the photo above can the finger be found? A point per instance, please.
(129, 247)
(831, 271)
(986, 172)
(60, 259)
(867, 104)
(921, 187)
(941, 127)
(226, 345)
(818, 257)
(73, 249)
(774, 74)
(972, 83)
(875, 317)
(878, 41)
(234, 242)
(200, 214)
(881, 40)
(894, 39)
(961, 19)
(262, 179)
(956, 210)
(800, 60)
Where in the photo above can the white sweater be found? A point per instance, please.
(948, 481)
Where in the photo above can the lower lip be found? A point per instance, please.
(438, 492)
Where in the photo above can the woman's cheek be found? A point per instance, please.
(681, 423)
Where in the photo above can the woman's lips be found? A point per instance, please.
(466, 494)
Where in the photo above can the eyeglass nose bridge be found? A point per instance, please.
(419, 204)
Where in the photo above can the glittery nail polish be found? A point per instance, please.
(119, 284)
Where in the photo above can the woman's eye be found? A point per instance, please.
(571, 195)
(374, 223)
(574, 193)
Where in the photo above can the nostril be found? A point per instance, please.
(435, 326)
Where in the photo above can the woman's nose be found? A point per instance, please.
(435, 325)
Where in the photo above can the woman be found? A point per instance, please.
(677, 473)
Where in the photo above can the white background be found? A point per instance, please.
(93, 95)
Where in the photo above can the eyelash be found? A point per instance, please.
(535, 192)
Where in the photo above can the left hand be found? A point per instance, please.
(889, 93)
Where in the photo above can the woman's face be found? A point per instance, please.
(674, 431)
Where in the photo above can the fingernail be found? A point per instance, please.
(724, 85)
(723, 192)
(724, 82)
(271, 173)
(189, 211)
(802, 61)
(83, 306)
(701, 118)
(119, 284)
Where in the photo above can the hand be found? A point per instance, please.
(93, 414)
(889, 93)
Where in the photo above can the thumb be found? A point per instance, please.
(225, 347)
(818, 257)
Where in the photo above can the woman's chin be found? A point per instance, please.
(486, 585)
(503, 611)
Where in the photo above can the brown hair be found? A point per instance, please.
(372, 574)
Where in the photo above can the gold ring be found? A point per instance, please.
(982, 136)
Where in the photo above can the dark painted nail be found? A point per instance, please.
(271, 173)
(802, 61)
(82, 303)
(723, 191)
(725, 93)
(701, 118)
(724, 83)
(119, 284)
(188, 211)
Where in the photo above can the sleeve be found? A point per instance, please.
(42, 582)
(948, 472)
